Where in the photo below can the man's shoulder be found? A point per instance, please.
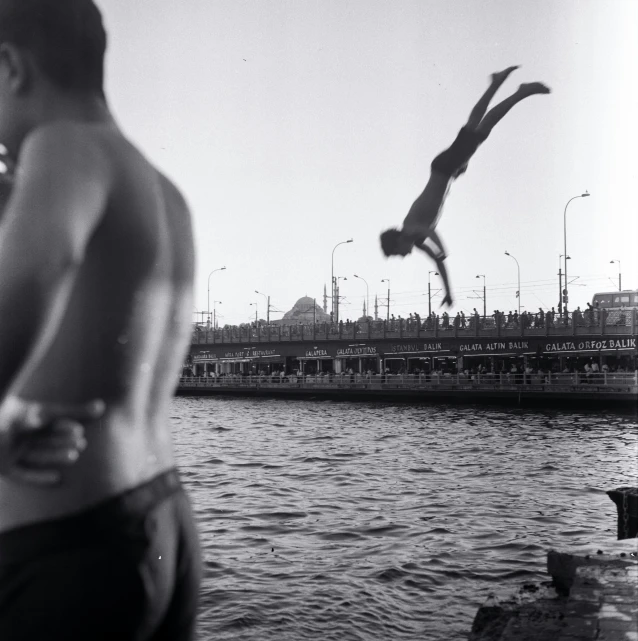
(65, 145)
(171, 191)
(66, 133)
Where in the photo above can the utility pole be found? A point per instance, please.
(484, 295)
(268, 306)
(619, 274)
(560, 291)
(430, 292)
(387, 280)
(218, 302)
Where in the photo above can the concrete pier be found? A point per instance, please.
(593, 595)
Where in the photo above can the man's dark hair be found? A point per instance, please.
(390, 241)
(66, 38)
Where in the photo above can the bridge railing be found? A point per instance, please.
(623, 381)
(590, 322)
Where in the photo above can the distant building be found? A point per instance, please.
(304, 311)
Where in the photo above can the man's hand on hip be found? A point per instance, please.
(38, 440)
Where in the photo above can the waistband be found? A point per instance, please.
(95, 523)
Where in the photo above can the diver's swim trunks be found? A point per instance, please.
(459, 153)
(127, 569)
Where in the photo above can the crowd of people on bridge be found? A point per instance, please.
(550, 318)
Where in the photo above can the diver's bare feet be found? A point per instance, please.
(531, 88)
(500, 76)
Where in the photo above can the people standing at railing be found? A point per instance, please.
(540, 318)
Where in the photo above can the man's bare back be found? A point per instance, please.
(122, 333)
(97, 534)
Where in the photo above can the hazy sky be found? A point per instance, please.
(293, 125)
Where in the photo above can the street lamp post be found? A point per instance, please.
(387, 280)
(484, 295)
(214, 319)
(367, 294)
(268, 306)
(430, 293)
(560, 284)
(518, 293)
(619, 274)
(566, 296)
(332, 274)
(209, 275)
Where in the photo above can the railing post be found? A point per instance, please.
(603, 320)
(436, 327)
(573, 324)
(633, 321)
(385, 328)
(400, 328)
(497, 318)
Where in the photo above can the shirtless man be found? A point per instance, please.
(419, 225)
(96, 265)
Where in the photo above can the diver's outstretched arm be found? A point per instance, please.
(439, 259)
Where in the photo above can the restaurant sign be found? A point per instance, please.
(250, 352)
(316, 353)
(203, 357)
(604, 343)
(357, 351)
(493, 347)
(415, 348)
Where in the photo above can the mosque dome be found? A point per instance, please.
(306, 310)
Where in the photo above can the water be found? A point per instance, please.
(356, 521)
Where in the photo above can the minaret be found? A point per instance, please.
(325, 299)
(376, 308)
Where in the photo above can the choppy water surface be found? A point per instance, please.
(344, 521)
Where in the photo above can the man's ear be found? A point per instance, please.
(15, 70)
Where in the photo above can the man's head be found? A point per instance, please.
(396, 243)
(57, 44)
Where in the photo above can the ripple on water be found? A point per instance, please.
(323, 520)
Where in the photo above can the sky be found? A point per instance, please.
(293, 125)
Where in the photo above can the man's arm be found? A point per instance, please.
(438, 258)
(58, 198)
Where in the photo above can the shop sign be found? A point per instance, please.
(316, 353)
(605, 343)
(204, 356)
(250, 353)
(356, 351)
(494, 347)
(414, 348)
